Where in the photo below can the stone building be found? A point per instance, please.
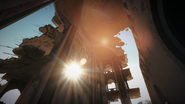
(157, 26)
(39, 71)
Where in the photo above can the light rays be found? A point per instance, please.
(74, 79)
(73, 71)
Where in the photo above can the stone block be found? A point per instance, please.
(12, 63)
(20, 51)
(34, 52)
(25, 60)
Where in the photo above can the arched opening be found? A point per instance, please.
(11, 96)
(170, 29)
(108, 69)
(111, 86)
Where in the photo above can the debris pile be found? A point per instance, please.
(32, 55)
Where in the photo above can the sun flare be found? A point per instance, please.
(73, 71)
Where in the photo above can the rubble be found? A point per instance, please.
(12, 64)
(32, 55)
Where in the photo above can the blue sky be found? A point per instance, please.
(133, 64)
(25, 28)
(28, 27)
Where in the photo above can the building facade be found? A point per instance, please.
(104, 64)
(158, 33)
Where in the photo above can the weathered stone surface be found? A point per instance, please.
(134, 93)
(44, 42)
(12, 63)
(29, 51)
(34, 52)
(109, 78)
(110, 81)
(32, 55)
(47, 46)
(120, 44)
(38, 65)
(45, 38)
(61, 28)
(25, 60)
(35, 42)
(4, 70)
(123, 65)
(127, 75)
(55, 33)
(25, 41)
(25, 72)
(30, 69)
(1, 61)
(18, 74)
(47, 58)
(115, 41)
(119, 51)
(113, 95)
(20, 51)
(43, 30)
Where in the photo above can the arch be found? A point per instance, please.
(111, 86)
(13, 84)
(103, 52)
(171, 43)
(108, 68)
(11, 96)
(110, 81)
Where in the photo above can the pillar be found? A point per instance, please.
(120, 82)
(103, 86)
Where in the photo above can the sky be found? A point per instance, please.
(133, 64)
(28, 27)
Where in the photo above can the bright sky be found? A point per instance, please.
(28, 27)
(133, 64)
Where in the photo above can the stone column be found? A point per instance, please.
(28, 92)
(55, 77)
(103, 86)
(120, 81)
(93, 99)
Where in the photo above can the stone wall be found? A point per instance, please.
(161, 69)
(32, 54)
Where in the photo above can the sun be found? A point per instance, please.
(73, 71)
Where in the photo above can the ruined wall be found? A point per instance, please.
(162, 70)
(32, 54)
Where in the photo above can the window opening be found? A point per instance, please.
(11, 96)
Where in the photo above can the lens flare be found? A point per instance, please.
(73, 71)
(83, 61)
(104, 41)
